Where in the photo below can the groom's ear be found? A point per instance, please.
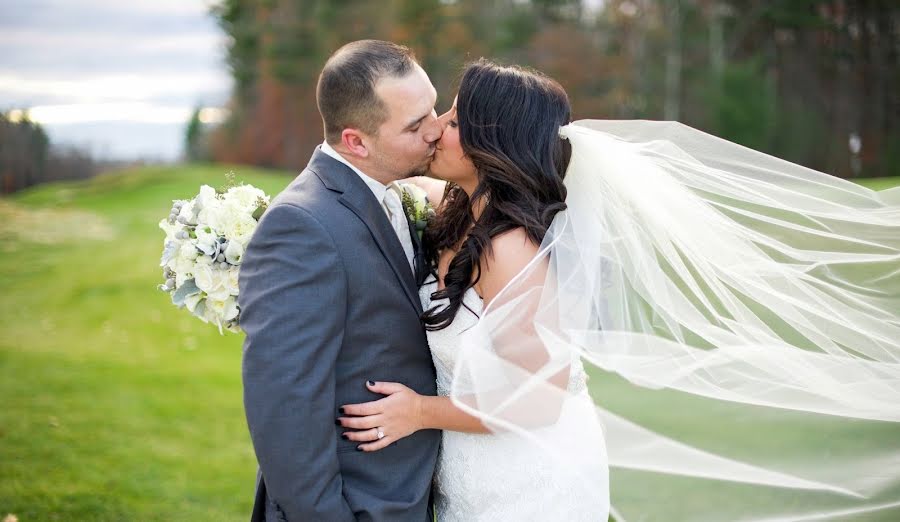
(353, 140)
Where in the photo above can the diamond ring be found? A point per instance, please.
(380, 434)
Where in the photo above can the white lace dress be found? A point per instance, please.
(493, 477)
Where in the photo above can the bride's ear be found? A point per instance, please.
(353, 141)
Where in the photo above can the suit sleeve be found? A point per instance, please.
(292, 297)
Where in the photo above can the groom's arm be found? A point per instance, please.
(292, 299)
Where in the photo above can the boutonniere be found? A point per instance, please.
(416, 206)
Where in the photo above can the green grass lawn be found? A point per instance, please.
(115, 405)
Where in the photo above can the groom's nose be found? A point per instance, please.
(434, 130)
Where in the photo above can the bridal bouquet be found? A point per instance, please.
(205, 240)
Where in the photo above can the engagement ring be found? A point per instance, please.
(380, 434)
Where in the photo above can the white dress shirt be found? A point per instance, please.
(389, 199)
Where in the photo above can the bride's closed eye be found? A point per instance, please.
(453, 123)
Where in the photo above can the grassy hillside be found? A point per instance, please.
(116, 406)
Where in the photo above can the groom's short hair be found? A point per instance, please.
(346, 93)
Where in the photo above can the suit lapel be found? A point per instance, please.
(357, 197)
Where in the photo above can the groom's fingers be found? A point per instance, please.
(362, 436)
(360, 423)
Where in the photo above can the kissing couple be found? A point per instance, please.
(402, 368)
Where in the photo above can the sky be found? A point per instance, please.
(117, 77)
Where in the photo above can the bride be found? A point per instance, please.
(741, 315)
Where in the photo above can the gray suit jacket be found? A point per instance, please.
(328, 301)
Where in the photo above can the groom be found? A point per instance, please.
(329, 301)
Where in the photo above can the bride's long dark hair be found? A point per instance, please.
(509, 119)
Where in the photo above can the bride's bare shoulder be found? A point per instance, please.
(511, 252)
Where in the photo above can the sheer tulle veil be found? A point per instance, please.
(737, 316)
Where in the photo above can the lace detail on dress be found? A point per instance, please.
(489, 477)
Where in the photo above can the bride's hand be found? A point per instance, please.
(398, 415)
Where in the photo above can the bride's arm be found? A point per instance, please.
(403, 412)
(434, 188)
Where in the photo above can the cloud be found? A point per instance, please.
(89, 69)
(96, 112)
(66, 15)
(24, 90)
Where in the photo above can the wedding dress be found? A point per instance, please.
(501, 476)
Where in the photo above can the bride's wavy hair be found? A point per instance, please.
(509, 119)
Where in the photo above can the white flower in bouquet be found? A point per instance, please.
(211, 281)
(180, 279)
(186, 214)
(170, 229)
(213, 218)
(240, 228)
(191, 302)
(231, 280)
(183, 263)
(205, 197)
(234, 252)
(246, 197)
(225, 308)
(203, 261)
(204, 245)
(207, 239)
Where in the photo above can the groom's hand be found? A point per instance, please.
(381, 423)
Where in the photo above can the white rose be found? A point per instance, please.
(245, 196)
(206, 197)
(234, 252)
(214, 216)
(212, 281)
(203, 261)
(187, 251)
(224, 216)
(182, 261)
(231, 280)
(230, 309)
(241, 228)
(203, 278)
(183, 265)
(219, 311)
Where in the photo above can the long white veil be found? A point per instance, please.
(738, 317)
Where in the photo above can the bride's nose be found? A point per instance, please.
(444, 119)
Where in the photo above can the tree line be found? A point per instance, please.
(27, 157)
(813, 81)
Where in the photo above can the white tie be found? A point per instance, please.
(399, 221)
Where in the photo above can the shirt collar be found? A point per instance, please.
(374, 185)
